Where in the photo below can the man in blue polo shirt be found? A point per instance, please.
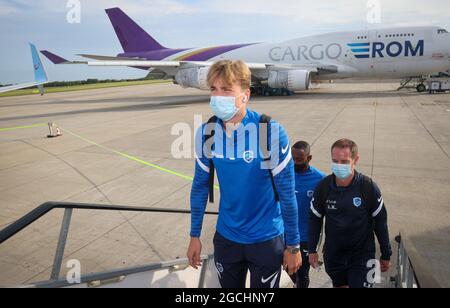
(257, 205)
(306, 179)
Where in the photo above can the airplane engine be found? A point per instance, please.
(294, 80)
(193, 78)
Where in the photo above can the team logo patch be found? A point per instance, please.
(219, 267)
(249, 156)
(357, 202)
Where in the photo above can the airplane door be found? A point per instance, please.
(374, 37)
(382, 66)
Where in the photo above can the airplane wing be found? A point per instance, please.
(121, 61)
(116, 61)
(167, 69)
(106, 58)
(40, 77)
(327, 69)
(20, 86)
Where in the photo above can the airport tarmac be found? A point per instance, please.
(115, 142)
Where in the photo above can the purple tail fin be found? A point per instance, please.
(131, 36)
(54, 58)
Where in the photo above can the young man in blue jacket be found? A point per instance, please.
(257, 204)
(306, 179)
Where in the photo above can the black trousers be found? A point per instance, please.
(263, 260)
(350, 270)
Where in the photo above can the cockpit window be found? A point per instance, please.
(442, 31)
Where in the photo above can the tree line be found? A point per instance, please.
(90, 81)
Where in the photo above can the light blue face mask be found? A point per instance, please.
(342, 172)
(224, 107)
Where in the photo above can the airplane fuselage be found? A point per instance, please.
(387, 53)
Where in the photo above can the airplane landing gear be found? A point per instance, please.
(264, 90)
(421, 88)
(413, 83)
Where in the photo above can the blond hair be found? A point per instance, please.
(230, 72)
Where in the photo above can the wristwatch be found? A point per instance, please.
(294, 249)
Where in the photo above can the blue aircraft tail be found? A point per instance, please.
(40, 77)
(39, 72)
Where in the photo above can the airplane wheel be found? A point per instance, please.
(421, 88)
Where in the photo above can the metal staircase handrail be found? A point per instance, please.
(47, 207)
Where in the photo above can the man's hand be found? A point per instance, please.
(292, 262)
(385, 265)
(314, 260)
(194, 252)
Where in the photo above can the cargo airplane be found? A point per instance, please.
(384, 53)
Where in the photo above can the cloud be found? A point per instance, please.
(324, 13)
(139, 8)
(89, 7)
(25, 6)
(332, 12)
(7, 9)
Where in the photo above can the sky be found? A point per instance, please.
(182, 24)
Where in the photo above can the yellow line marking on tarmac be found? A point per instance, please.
(133, 158)
(6, 129)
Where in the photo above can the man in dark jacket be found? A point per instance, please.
(355, 212)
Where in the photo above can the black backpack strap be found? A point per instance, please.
(212, 120)
(323, 190)
(265, 119)
(368, 193)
